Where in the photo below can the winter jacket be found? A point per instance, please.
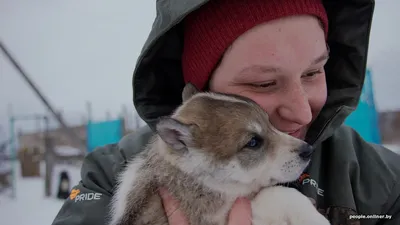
(348, 178)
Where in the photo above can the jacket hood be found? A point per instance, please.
(158, 81)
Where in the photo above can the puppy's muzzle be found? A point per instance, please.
(306, 151)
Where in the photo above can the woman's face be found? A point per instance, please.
(279, 65)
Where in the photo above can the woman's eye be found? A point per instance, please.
(312, 74)
(264, 85)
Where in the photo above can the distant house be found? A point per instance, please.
(389, 125)
(59, 138)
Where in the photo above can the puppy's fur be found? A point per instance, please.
(213, 149)
(284, 206)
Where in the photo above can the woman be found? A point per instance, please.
(276, 53)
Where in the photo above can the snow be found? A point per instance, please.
(64, 150)
(31, 207)
(394, 148)
(4, 167)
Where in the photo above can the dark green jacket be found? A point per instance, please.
(347, 176)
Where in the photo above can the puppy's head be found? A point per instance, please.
(228, 142)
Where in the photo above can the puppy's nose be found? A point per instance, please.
(305, 151)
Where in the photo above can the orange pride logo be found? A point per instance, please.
(74, 193)
(77, 196)
(305, 179)
(303, 176)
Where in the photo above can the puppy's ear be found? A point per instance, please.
(174, 133)
(188, 91)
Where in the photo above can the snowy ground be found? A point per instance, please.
(394, 148)
(30, 206)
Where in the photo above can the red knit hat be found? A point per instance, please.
(211, 29)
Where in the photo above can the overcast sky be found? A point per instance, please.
(85, 50)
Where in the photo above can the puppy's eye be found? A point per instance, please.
(254, 143)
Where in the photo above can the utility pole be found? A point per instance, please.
(49, 158)
(126, 120)
(89, 111)
(69, 132)
(108, 115)
(13, 152)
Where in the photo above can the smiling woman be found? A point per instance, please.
(281, 69)
(187, 41)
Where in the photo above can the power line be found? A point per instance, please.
(29, 81)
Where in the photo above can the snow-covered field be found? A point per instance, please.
(31, 207)
(394, 148)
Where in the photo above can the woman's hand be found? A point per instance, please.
(240, 213)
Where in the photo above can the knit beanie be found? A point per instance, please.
(212, 28)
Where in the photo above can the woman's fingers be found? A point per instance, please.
(240, 213)
(171, 207)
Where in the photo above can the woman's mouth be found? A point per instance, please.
(295, 133)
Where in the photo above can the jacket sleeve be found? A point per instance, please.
(394, 210)
(88, 203)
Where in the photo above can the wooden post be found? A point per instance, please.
(49, 158)
(89, 111)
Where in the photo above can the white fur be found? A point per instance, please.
(254, 126)
(221, 215)
(126, 183)
(230, 179)
(286, 166)
(284, 206)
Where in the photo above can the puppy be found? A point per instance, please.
(213, 149)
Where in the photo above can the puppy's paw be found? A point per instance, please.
(285, 206)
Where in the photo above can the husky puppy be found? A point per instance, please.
(213, 149)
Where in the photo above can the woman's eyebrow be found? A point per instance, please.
(323, 57)
(256, 68)
(260, 69)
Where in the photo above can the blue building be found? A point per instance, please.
(365, 118)
(104, 132)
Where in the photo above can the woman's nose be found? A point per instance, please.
(296, 107)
